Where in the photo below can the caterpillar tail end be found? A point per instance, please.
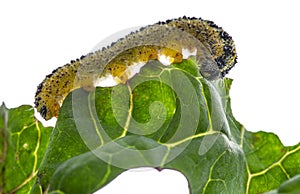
(46, 113)
(46, 108)
(54, 88)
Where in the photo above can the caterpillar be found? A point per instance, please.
(214, 49)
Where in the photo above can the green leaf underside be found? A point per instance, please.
(23, 143)
(166, 118)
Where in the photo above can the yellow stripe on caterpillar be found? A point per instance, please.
(167, 42)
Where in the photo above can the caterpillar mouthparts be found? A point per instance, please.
(164, 41)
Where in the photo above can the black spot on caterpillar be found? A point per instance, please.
(215, 52)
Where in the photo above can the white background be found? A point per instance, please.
(37, 37)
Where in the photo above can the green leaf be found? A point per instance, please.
(290, 186)
(165, 118)
(23, 141)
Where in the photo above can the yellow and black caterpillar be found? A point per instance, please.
(214, 49)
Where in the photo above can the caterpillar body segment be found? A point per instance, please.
(213, 47)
